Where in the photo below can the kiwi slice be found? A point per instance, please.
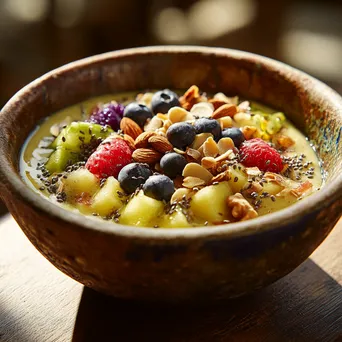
(70, 142)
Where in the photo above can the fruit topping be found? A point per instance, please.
(109, 114)
(133, 175)
(256, 152)
(109, 158)
(206, 125)
(181, 134)
(173, 164)
(163, 100)
(138, 113)
(75, 143)
(235, 134)
(159, 187)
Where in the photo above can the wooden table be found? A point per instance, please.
(40, 304)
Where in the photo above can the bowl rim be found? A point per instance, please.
(329, 193)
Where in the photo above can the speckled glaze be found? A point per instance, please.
(174, 265)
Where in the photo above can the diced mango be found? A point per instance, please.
(80, 182)
(141, 210)
(175, 220)
(107, 200)
(210, 202)
(238, 178)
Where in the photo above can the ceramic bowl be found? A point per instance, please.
(174, 265)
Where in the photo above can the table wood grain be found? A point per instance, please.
(38, 303)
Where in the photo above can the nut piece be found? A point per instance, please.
(196, 170)
(142, 140)
(146, 155)
(223, 97)
(193, 155)
(283, 141)
(241, 208)
(153, 124)
(160, 143)
(177, 114)
(192, 182)
(244, 106)
(190, 97)
(202, 109)
(180, 194)
(200, 139)
(229, 155)
(225, 110)
(210, 148)
(226, 122)
(130, 127)
(249, 131)
(301, 189)
(225, 144)
(209, 163)
(217, 103)
(130, 141)
(145, 99)
(221, 177)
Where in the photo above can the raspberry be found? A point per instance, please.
(256, 152)
(108, 114)
(109, 158)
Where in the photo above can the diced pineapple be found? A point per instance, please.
(210, 202)
(107, 199)
(80, 182)
(175, 220)
(141, 210)
(238, 178)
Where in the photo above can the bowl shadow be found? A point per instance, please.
(304, 306)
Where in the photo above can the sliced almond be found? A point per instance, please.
(223, 97)
(217, 103)
(193, 155)
(209, 163)
(202, 109)
(160, 143)
(177, 150)
(196, 170)
(229, 155)
(192, 182)
(283, 141)
(252, 171)
(200, 139)
(130, 127)
(244, 106)
(225, 144)
(190, 97)
(180, 194)
(130, 141)
(210, 148)
(226, 122)
(146, 155)
(142, 140)
(153, 124)
(177, 114)
(301, 189)
(249, 131)
(221, 177)
(225, 110)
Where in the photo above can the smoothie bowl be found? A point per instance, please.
(174, 173)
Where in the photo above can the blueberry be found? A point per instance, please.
(235, 134)
(159, 187)
(133, 175)
(138, 113)
(181, 134)
(163, 100)
(205, 125)
(173, 164)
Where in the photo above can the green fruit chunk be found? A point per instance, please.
(109, 198)
(210, 203)
(68, 144)
(175, 220)
(141, 211)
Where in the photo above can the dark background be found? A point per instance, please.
(39, 35)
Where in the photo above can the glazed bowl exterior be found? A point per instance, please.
(175, 265)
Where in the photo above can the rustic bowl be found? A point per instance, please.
(173, 265)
